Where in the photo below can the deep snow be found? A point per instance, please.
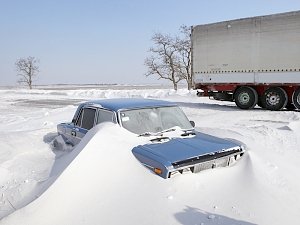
(101, 182)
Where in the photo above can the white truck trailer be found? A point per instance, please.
(250, 61)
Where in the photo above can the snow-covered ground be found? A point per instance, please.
(100, 181)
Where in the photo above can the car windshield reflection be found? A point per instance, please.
(154, 120)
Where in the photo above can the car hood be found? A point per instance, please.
(177, 149)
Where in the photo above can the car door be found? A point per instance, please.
(84, 122)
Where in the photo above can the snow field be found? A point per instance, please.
(101, 182)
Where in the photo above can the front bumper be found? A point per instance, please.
(205, 162)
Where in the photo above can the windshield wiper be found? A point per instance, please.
(167, 130)
(160, 133)
(188, 133)
(147, 134)
(160, 139)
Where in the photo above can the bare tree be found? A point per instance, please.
(164, 60)
(185, 54)
(171, 57)
(27, 69)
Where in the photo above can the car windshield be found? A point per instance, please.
(154, 120)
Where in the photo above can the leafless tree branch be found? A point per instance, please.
(170, 57)
(27, 69)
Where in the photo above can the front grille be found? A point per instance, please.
(208, 158)
(220, 162)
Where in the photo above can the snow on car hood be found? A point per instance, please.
(177, 149)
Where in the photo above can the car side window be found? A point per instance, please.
(86, 118)
(105, 116)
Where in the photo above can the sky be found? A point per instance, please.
(105, 41)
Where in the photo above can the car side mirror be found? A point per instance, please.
(193, 123)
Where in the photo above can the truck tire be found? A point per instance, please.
(275, 98)
(245, 97)
(296, 98)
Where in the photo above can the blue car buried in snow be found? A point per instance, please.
(174, 146)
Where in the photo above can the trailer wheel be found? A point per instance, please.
(245, 97)
(275, 98)
(296, 98)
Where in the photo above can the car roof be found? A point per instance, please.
(116, 104)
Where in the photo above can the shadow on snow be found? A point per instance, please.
(192, 216)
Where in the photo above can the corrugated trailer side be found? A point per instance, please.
(255, 53)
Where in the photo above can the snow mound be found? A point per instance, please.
(295, 126)
(104, 178)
